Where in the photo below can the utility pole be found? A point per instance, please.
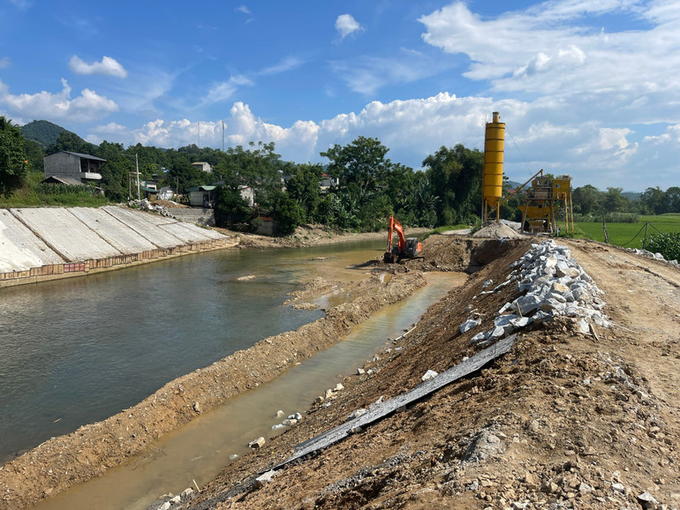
(137, 170)
(199, 134)
(222, 136)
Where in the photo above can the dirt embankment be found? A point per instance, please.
(310, 235)
(88, 452)
(565, 420)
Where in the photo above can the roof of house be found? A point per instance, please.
(201, 188)
(52, 179)
(80, 155)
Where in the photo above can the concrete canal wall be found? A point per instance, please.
(47, 243)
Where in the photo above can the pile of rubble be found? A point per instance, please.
(651, 255)
(552, 284)
(147, 206)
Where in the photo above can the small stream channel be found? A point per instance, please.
(199, 450)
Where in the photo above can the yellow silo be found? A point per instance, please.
(492, 180)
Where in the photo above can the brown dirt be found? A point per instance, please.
(565, 420)
(309, 235)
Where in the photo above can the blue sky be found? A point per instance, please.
(587, 88)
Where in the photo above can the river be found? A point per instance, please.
(79, 350)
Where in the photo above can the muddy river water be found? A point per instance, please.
(77, 351)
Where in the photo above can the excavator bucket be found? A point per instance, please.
(390, 257)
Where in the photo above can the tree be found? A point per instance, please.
(115, 171)
(286, 212)
(34, 155)
(673, 199)
(71, 142)
(185, 175)
(654, 200)
(230, 208)
(587, 199)
(361, 162)
(303, 187)
(12, 157)
(614, 201)
(456, 178)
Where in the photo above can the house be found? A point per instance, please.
(202, 196)
(72, 168)
(166, 193)
(202, 165)
(247, 193)
(327, 182)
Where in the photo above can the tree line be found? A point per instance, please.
(370, 186)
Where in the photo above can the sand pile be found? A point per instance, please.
(497, 231)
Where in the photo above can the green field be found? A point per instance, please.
(624, 234)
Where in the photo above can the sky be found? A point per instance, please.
(588, 88)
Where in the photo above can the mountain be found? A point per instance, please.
(43, 132)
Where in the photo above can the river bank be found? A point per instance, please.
(44, 244)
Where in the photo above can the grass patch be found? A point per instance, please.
(34, 194)
(628, 235)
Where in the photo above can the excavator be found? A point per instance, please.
(407, 247)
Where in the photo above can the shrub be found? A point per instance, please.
(667, 244)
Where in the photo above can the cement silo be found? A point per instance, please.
(492, 180)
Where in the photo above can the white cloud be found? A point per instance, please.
(107, 67)
(243, 9)
(222, 91)
(285, 65)
(345, 24)
(368, 74)
(5, 63)
(87, 107)
(590, 151)
(549, 48)
(22, 4)
(141, 91)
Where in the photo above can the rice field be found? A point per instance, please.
(629, 235)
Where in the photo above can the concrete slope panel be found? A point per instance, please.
(208, 233)
(65, 234)
(186, 233)
(114, 232)
(20, 249)
(145, 224)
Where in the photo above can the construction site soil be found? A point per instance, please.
(566, 419)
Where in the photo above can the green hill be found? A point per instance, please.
(43, 132)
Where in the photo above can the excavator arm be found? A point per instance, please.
(405, 248)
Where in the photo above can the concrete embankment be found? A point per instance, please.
(47, 243)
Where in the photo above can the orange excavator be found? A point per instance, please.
(409, 248)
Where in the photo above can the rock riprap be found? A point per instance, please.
(552, 284)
